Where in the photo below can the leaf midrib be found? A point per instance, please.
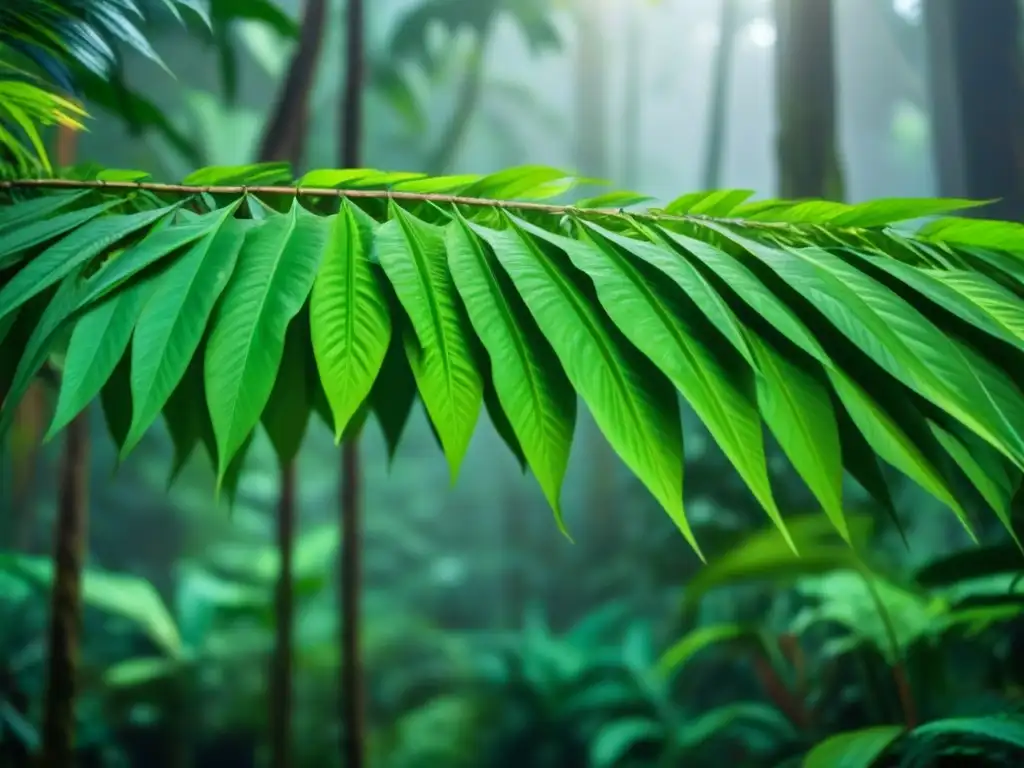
(434, 307)
(517, 333)
(251, 335)
(681, 341)
(596, 332)
(186, 295)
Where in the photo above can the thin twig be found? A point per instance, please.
(375, 194)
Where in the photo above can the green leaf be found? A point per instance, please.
(877, 213)
(287, 413)
(797, 408)
(633, 404)
(188, 418)
(127, 597)
(394, 392)
(79, 247)
(442, 358)
(901, 340)
(116, 399)
(715, 203)
(172, 324)
(891, 442)
(40, 343)
(615, 740)
(531, 387)
(853, 749)
(157, 245)
(36, 229)
(663, 327)
(767, 555)
(349, 316)
(38, 209)
(271, 282)
(98, 341)
(1003, 729)
(698, 640)
(997, 495)
(520, 183)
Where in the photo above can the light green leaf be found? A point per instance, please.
(901, 340)
(887, 438)
(698, 640)
(34, 229)
(633, 404)
(349, 316)
(441, 354)
(615, 740)
(796, 406)
(853, 749)
(37, 209)
(665, 328)
(531, 386)
(271, 282)
(79, 247)
(41, 341)
(98, 341)
(173, 322)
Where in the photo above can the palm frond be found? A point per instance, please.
(66, 42)
(855, 342)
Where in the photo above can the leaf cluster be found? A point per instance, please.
(227, 302)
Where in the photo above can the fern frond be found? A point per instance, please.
(855, 342)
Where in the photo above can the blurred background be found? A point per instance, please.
(490, 639)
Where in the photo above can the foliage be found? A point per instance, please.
(850, 339)
(46, 47)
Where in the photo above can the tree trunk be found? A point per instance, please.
(351, 684)
(70, 537)
(806, 100)
(284, 608)
(977, 100)
(285, 140)
(721, 78)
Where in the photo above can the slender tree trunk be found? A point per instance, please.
(70, 537)
(977, 95)
(284, 608)
(351, 684)
(632, 99)
(440, 158)
(806, 100)
(70, 542)
(285, 140)
(721, 78)
(600, 532)
(285, 136)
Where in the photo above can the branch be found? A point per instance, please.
(374, 194)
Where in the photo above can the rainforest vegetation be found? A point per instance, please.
(357, 412)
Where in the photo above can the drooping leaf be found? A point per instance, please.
(350, 320)
(531, 387)
(271, 282)
(173, 322)
(442, 358)
(632, 402)
(853, 749)
(99, 339)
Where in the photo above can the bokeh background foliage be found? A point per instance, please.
(488, 639)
